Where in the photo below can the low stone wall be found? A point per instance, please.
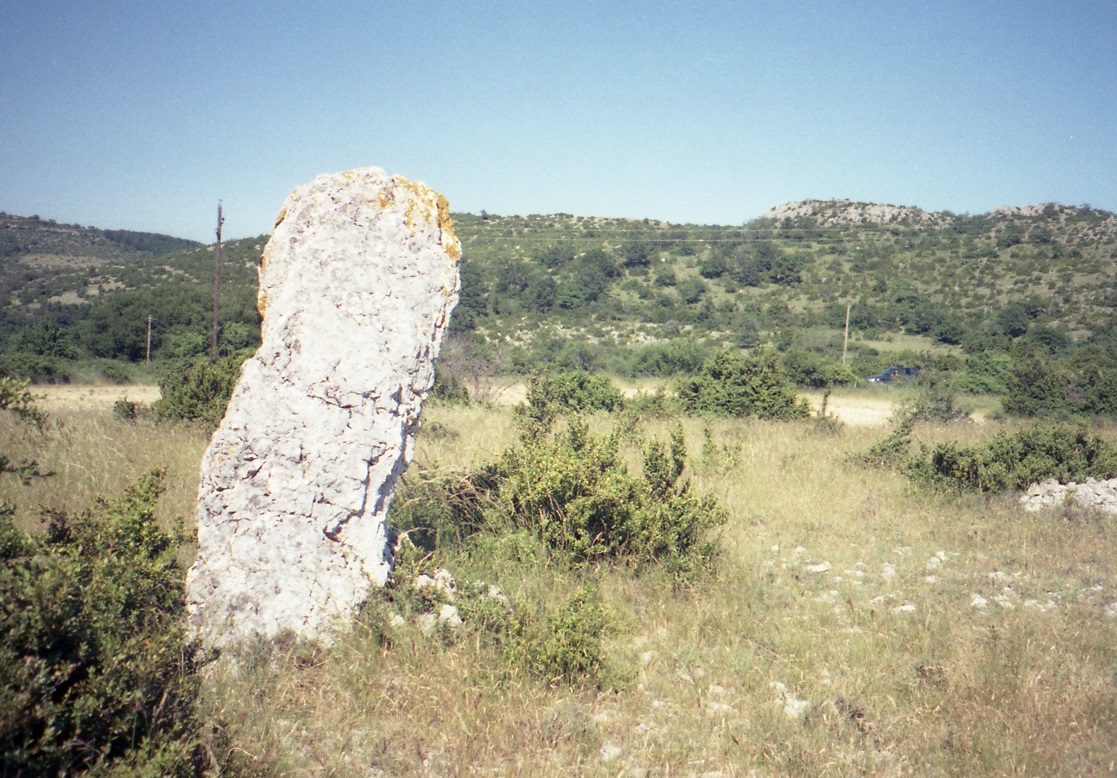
(1098, 495)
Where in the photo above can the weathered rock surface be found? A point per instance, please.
(834, 212)
(356, 287)
(1091, 494)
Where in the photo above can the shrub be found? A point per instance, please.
(564, 644)
(985, 374)
(806, 368)
(936, 402)
(440, 509)
(94, 665)
(449, 390)
(1006, 462)
(125, 409)
(14, 397)
(199, 392)
(731, 384)
(116, 372)
(35, 367)
(672, 357)
(1036, 387)
(575, 391)
(1009, 462)
(574, 492)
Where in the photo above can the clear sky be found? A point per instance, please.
(142, 115)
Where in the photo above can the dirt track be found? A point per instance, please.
(859, 411)
(89, 397)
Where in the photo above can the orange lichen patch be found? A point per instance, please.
(450, 240)
(261, 296)
(385, 198)
(434, 209)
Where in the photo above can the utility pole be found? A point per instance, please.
(216, 281)
(147, 360)
(845, 344)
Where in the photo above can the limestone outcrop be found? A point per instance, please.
(835, 212)
(356, 287)
(1091, 494)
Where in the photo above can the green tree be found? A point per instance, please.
(732, 384)
(1036, 388)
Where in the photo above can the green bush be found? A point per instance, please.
(1006, 462)
(566, 643)
(985, 374)
(574, 491)
(95, 669)
(668, 358)
(15, 397)
(199, 391)
(125, 409)
(1013, 462)
(574, 391)
(732, 384)
(1036, 387)
(806, 368)
(35, 367)
(936, 402)
(448, 389)
(437, 509)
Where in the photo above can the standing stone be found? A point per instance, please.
(356, 287)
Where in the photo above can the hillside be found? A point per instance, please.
(67, 261)
(787, 278)
(641, 297)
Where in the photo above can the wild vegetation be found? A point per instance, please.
(704, 576)
(1017, 302)
(842, 618)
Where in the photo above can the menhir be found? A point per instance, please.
(356, 287)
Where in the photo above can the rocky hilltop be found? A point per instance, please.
(834, 212)
(831, 213)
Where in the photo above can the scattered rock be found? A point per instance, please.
(997, 578)
(610, 751)
(1090, 494)
(715, 708)
(441, 581)
(792, 707)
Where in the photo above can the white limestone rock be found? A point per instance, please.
(356, 287)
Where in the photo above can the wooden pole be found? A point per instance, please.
(845, 344)
(148, 358)
(216, 281)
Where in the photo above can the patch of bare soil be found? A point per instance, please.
(856, 411)
(70, 397)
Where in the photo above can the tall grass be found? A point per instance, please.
(89, 453)
(853, 625)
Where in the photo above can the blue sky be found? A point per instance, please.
(143, 115)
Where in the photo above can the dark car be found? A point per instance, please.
(894, 373)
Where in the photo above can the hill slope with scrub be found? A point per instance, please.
(634, 297)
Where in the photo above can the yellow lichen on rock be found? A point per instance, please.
(434, 209)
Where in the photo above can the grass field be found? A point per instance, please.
(852, 625)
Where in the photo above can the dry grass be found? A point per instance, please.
(90, 453)
(854, 626)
